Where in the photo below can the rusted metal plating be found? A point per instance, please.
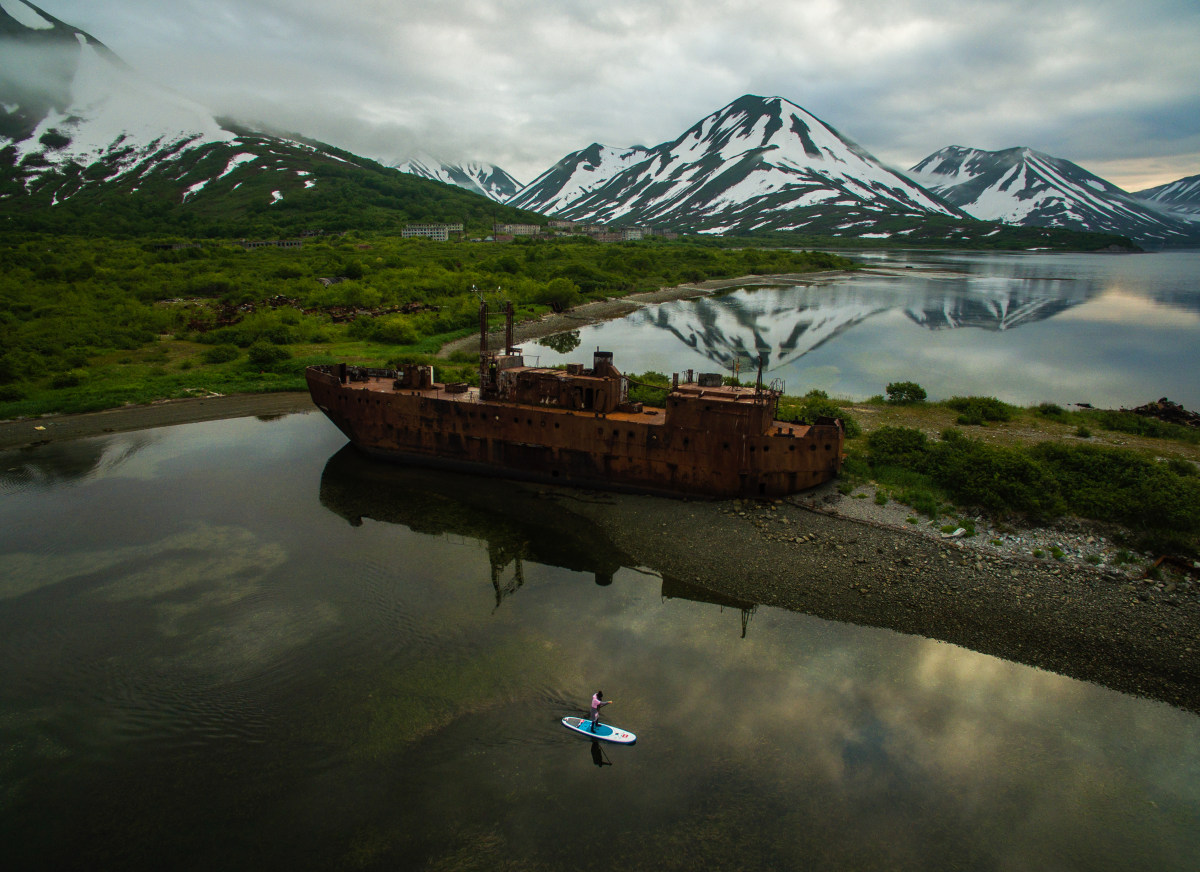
(578, 427)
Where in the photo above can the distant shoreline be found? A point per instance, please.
(619, 307)
(28, 432)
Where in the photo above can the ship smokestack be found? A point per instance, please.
(483, 313)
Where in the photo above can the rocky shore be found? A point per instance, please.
(812, 554)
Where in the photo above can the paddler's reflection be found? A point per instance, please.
(598, 755)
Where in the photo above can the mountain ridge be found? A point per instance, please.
(481, 178)
(755, 164)
(89, 144)
(1181, 196)
(1025, 187)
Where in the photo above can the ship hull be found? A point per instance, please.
(628, 451)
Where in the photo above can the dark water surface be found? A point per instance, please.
(235, 645)
(1110, 330)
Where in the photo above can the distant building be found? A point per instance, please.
(518, 229)
(436, 232)
(277, 243)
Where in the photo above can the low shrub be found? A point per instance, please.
(72, 378)
(1182, 467)
(1116, 484)
(978, 410)
(816, 404)
(904, 393)
(266, 356)
(999, 478)
(1141, 425)
(898, 446)
(220, 353)
(649, 388)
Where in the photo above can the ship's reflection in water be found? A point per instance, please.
(516, 525)
(376, 679)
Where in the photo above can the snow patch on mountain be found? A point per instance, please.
(1181, 197)
(1026, 187)
(479, 178)
(26, 15)
(113, 115)
(757, 163)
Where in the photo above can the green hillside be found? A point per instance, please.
(256, 186)
(96, 322)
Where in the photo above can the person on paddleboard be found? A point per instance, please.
(598, 701)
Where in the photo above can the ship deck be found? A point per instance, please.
(649, 416)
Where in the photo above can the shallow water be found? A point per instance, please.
(1110, 330)
(239, 645)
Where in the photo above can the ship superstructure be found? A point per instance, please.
(578, 427)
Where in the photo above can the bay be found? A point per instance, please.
(240, 645)
(1109, 330)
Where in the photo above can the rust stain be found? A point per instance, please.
(578, 427)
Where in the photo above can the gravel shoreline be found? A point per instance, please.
(811, 554)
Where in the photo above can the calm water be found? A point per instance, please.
(1109, 330)
(235, 645)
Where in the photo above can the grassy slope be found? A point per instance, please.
(87, 324)
(1174, 452)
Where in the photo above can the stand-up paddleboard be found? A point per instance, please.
(604, 732)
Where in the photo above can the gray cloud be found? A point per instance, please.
(1105, 83)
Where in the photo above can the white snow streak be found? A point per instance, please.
(25, 15)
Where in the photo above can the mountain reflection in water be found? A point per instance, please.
(61, 463)
(1111, 331)
(781, 325)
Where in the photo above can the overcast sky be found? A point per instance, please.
(1113, 85)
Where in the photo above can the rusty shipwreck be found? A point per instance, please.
(578, 427)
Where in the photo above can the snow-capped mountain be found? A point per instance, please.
(757, 164)
(577, 175)
(1181, 196)
(480, 178)
(1025, 187)
(71, 102)
(88, 143)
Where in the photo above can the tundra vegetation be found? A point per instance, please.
(1034, 465)
(88, 324)
(94, 323)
